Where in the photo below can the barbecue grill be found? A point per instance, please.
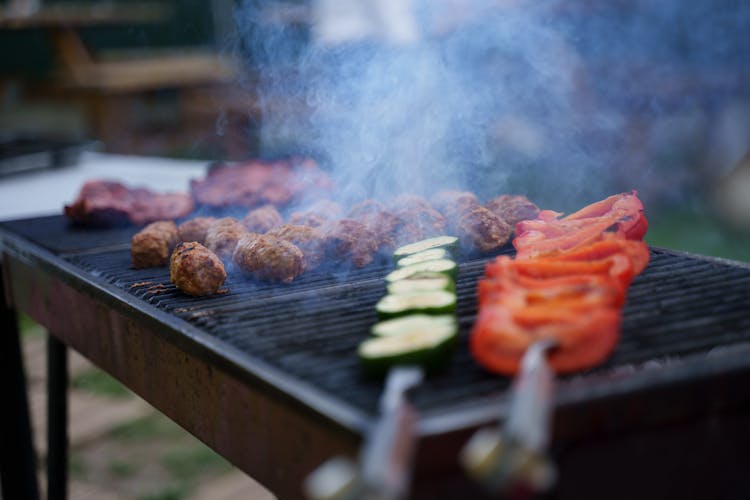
(268, 376)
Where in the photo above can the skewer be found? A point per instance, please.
(385, 462)
(515, 454)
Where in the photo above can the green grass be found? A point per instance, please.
(186, 463)
(100, 383)
(122, 468)
(694, 230)
(168, 492)
(155, 426)
(77, 466)
(30, 328)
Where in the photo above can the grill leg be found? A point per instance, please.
(57, 419)
(17, 458)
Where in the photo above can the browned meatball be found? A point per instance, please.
(222, 236)
(349, 239)
(409, 202)
(453, 205)
(310, 240)
(483, 231)
(269, 258)
(150, 246)
(377, 219)
(194, 229)
(317, 214)
(451, 201)
(196, 270)
(262, 219)
(513, 208)
(417, 224)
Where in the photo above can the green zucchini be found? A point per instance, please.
(414, 323)
(435, 302)
(423, 283)
(430, 349)
(431, 254)
(450, 243)
(443, 266)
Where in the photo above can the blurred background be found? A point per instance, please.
(566, 102)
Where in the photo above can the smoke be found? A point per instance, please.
(536, 98)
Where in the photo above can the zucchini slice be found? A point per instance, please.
(430, 349)
(431, 254)
(415, 323)
(423, 283)
(443, 266)
(435, 302)
(450, 243)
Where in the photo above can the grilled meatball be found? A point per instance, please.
(377, 219)
(409, 202)
(317, 214)
(513, 208)
(222, 236)
(483, 231)
(310, 240)
(194, 229)
(453, 205)
(262, 219)
(150, 246)
(417, 224)
(349, 239)
(268, 258)
(195, 269)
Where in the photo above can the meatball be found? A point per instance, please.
(262, 219)
(453, 205)
(194, 229)
(409, 202)
(417, 224)
(222, 236)
(310, 240)
(150, 247)
(268, 258)
(513, 208)
(483, 231)
(317, 214)
(377, 219)
(349, 239)
(196, 270)
(450, 201)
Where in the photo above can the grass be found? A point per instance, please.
(186, 463)
(155, 426)
(695, 230)
(100, 383)
(122, 468)
(168, 492)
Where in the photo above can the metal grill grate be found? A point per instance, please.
(310, 329)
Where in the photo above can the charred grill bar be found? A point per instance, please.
(267, 375)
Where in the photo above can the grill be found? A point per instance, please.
(686, 328)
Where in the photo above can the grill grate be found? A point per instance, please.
(310, 329)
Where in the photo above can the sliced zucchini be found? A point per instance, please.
(431, 254)
(430, 349)
(436, 302)
(415, 323)
(450, 243)
(443, 266)
(423, 283)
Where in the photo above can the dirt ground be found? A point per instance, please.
(121, 447)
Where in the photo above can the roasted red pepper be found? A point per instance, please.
(567, 283)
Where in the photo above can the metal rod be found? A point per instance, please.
(57, 419)
(17, 457)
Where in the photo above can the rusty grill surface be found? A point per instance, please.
(682, 307)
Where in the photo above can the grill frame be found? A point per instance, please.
(593, 404)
